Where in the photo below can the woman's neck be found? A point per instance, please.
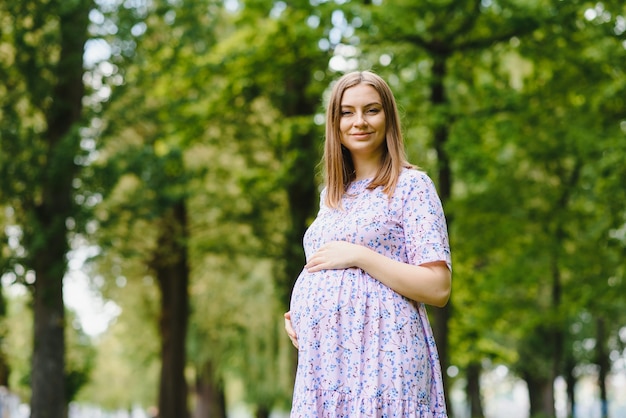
(365, 169)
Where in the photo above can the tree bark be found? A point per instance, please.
(473, 390)
(441, 132)
(300, 186)
(5, 369)
(49, 249)
(210, 397)
(571, 384)
(262, 412)
(301, 192)
(540, 394)
(48, 363)
(558, 334)
(604, 365)
(171, 266)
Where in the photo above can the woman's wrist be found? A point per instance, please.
(363, 255)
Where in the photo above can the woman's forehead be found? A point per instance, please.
(360, 95)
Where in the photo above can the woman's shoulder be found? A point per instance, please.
(414, 177)
(416, 185)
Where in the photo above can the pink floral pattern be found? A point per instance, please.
(365, 350)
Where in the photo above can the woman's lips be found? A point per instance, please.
(361, 134)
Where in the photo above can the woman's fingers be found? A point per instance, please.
(289, 329)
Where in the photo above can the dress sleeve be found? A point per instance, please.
(424, 223)
(322, 203)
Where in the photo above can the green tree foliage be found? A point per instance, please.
(530, 189)
(207, 126)
(153, 153)
(267, 108)
(272, 103)
(243, 122)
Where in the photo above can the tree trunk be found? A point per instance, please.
(602, 359)
(49, 250)
(5, 369)
(473, 390)
(557, 335)
(439, 101)
(540, 394)
(300, 186)
(301, 191)
(210, 398)
(172, 272)
(48, 363)
(262, 412)
(571, 385)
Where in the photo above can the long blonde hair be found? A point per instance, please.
(338, 165)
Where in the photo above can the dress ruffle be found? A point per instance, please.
(334, 404)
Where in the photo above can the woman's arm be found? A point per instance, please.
(429, 283)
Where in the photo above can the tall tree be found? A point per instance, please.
(541, 212)
(162, 83)
(279, 98)
(40, 137)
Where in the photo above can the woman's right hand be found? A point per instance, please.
(289, 329)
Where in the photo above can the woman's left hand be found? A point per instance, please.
(334, 255)
(289, 329)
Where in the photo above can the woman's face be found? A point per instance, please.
(362, 122)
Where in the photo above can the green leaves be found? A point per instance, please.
(217, 106)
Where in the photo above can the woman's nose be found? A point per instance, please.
(360, 119)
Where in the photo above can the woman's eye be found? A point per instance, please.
(345, 113)
(374, 111)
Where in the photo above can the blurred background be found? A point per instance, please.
(159, 163)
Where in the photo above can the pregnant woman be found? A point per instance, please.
(376, 254)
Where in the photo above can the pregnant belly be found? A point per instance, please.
(347, 318)
(321, 293)
(336, 296)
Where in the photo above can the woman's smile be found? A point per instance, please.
(361, 134)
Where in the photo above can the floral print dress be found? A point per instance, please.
(365, 350)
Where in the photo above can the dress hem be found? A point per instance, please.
(334, 404)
